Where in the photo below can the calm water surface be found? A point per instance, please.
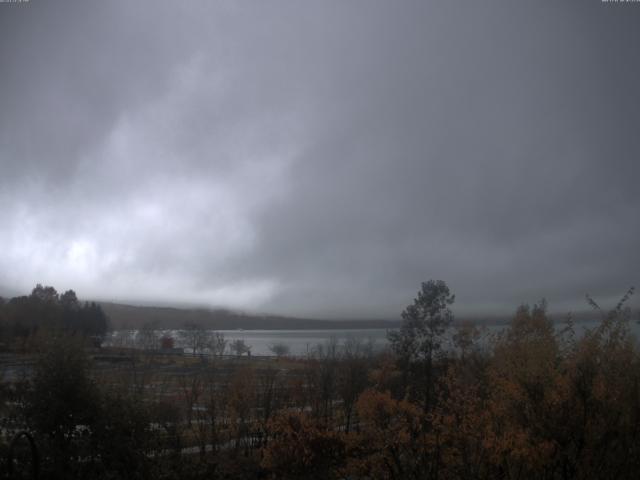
(302, 342)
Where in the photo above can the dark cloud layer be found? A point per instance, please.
(320, 158)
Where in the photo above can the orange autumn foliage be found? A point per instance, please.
(393, 440)
(535, 402)
(300, 447)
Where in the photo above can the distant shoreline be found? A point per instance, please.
(130, 317)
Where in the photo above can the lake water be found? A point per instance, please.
(299, 342)
(302, 342)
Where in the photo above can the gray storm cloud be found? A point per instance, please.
(320, 158)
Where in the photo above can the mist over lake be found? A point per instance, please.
(304, 342)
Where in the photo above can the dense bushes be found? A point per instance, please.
(539, 403)
(83, 430)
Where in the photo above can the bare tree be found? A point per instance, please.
(241, 398)
(147, 337)
(214, 416)
(279, 349)
(217, 344)
(195, 337)
(191, 386)
(352, 375)
(239, 347)
(321, 378)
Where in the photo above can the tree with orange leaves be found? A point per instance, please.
(392, 441)
(301, 447)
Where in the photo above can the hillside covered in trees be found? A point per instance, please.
(136, 316)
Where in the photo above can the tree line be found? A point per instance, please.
(23, 318)
(445, 401)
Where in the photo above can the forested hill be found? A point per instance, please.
(132, 317)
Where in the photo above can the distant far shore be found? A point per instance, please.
(132, 317)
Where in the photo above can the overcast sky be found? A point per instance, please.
(321, 158)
